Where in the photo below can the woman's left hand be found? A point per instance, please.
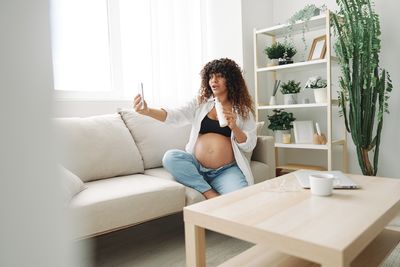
(230, 118)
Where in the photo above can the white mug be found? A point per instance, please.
(321, 184)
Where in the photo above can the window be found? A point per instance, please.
(80, 46)
(103, 49)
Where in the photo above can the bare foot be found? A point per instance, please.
(210, 194)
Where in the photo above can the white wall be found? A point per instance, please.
(390, 57)
(256, 14)
(33, 228)
(224, 30)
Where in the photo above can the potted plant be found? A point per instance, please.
(281, 123)
(364, 85)
(290, 51)
(290, 89)
(274, 53)
(305, 14)
(319, 87)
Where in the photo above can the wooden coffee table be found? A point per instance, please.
(284, 220)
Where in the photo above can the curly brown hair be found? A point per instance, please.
(238, 94)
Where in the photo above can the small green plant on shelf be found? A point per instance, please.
(316, 82)
(290, 87)
(304, 14)
(290, 51)
(282, 52)
(275, 51)
(280, 120)
(319, 88)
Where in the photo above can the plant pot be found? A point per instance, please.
(285, 61)
(273, 62)
(290, 99)
(272, 101)
(320, 95)
(279, 135)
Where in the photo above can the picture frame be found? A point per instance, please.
(318, 48)
(303, 132)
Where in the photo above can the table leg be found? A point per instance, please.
(195, 245)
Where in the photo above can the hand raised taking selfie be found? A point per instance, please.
(137, 105)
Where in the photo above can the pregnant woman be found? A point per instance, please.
(214, 161)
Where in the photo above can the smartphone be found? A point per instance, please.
(140, 89)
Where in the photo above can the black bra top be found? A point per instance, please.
(212, 126)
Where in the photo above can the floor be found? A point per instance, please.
(156, 243)
(161, 243)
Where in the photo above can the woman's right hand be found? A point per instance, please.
(137, 106)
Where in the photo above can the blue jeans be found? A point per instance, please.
(188, 171)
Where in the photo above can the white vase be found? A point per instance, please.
(272, 101)
(320, 95)
(279, 135)
(273, 62)
(290, 99)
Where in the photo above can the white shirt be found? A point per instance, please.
(193, 113)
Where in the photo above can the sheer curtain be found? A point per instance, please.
(103, 49)
(165, 51)
(80, 46)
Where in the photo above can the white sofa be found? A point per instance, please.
(118, 157)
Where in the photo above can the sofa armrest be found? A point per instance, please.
(265, 152)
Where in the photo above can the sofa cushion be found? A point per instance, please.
(153, 137)
(98, 147)
(192, 195)
(71, 183)
(260, 171)
(118, 202)
(259, 126)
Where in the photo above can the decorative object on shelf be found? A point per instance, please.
(280, 122)
(287, 58)
(303, 132)
(289, 91)
(364, 85)
(286, 138)
(319, 138)
(272, 100)
(274, 53)
(280, 53)
(319, 87)
(318, 48)
(305, 15)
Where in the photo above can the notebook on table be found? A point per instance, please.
(344, 181)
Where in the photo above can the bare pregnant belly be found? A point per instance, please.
(213, 150)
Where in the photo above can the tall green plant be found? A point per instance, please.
(365, 87)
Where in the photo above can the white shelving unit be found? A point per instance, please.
(321, 22)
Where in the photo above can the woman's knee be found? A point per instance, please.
(232, 180)
(233, 185)
(172, 156)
